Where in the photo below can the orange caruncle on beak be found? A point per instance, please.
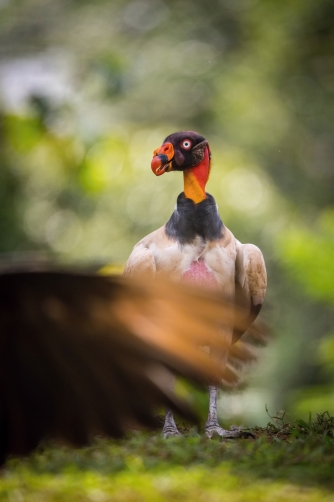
(162, 158)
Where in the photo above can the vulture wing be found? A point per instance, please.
(140, 263)
(79, 354)
(250, 285)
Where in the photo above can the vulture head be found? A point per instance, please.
(180, 151)
(189, 152)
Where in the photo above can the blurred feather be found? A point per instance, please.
(80, 354)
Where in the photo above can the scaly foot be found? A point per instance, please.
(170, 432)
(216, 430)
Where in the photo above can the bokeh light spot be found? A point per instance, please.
(244, 190)
(63, 231)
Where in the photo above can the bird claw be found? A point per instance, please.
(170, 432)
(216, 430)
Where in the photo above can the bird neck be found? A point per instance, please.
(190, 220)
(195, 178)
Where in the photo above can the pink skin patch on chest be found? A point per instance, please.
(200, 275)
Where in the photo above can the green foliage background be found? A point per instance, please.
(283, 462)
(89, 89)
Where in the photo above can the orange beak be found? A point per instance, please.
(162, 159)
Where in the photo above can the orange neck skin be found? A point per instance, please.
(195, 178)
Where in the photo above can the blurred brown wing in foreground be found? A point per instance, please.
(80, 354)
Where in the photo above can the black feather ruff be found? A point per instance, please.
(190, 220)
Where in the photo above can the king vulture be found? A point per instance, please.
(82, 354)
(194, 246)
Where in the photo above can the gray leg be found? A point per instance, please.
(212, 426)
(170, 429)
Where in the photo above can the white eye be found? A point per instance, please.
(186, 144)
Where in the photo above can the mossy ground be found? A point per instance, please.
(282, 462)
